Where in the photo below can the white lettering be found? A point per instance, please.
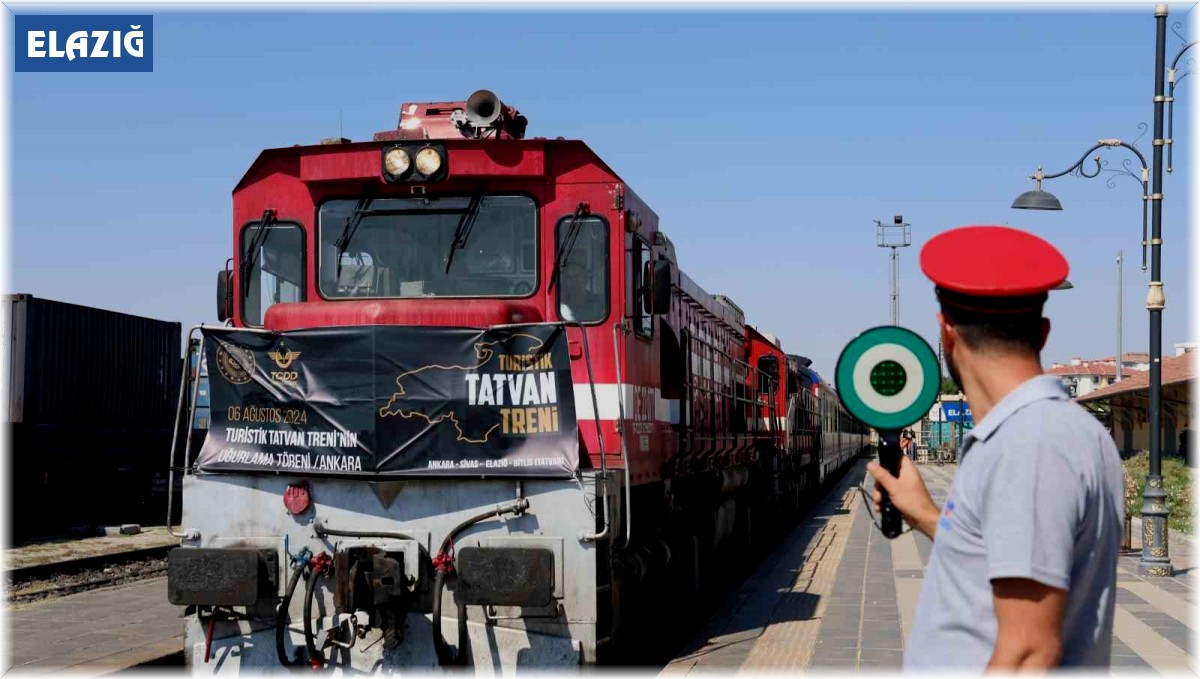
(77, 43)
(530, 395)
(54, 51)
(325, 439)
(36, 40)
(99, 37)
(472, 385)
(498, 383)
(487, 396)
(514, 388)
(133, 42)
(549, 391)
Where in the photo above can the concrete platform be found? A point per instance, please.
(64, 549)
(836, 595)
(96, 632)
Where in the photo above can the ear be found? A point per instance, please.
(1045, 334)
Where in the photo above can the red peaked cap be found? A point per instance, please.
(992, 262)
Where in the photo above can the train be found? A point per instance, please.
(697, 436)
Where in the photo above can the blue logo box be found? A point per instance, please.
(77, 43)
(951, 412)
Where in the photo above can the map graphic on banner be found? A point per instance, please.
(392, 401)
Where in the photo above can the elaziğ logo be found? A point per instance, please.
(84, 43)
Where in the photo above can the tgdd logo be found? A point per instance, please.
(84, 43)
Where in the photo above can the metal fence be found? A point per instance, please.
(939, 441)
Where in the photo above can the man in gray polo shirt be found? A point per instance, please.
(1023, 569)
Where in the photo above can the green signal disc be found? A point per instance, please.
(887, 377)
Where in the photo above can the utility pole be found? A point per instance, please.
(895, 235)
(1120, 289)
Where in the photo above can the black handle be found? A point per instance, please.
(890, 521)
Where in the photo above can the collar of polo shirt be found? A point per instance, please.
(1032, 390)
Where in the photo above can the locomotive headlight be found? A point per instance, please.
(428, 161)
(396, 162)
(415, 162)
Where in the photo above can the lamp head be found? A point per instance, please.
(1037, 200)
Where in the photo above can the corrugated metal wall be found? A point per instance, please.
(87, 365)
(91, 405)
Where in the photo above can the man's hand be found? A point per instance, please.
(1029, 618)
(908, 494)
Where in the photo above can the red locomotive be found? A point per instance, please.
(697, 433)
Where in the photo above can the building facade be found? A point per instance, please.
(1124, 407)
(1131, 362)
(1080, 377)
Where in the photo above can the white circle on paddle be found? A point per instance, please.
(912, 370)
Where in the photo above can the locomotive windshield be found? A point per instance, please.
(428, 247)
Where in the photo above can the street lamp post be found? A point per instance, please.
(1156, 559)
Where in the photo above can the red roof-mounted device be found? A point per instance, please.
(481, 116)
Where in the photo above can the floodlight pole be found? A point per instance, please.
(895, 286)
(895, 235)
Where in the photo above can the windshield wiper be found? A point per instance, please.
(348, 229)
(463, 230)
(251, 257)
(568, 243)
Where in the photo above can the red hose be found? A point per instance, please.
(212, 621)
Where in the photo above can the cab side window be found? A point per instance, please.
(768, 372)
(643, 320)
(584, 276)
(277, 271)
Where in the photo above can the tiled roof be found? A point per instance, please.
(1174, 369)
(1100, 369)
(1130, 357)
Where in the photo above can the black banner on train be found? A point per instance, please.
(392, 401)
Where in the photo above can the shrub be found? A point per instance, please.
(1177, 483)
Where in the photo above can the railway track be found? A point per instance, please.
(33, 583)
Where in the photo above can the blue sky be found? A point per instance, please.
(767, 142)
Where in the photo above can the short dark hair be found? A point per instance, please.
(1010, 333)
(1003, 323)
